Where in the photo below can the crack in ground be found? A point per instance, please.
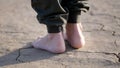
(102, 26)
(117, 55)
(19, 54)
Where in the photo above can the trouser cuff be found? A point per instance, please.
(73, 17)
(54, 29)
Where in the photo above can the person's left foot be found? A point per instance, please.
(53, 42)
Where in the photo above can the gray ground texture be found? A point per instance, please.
(19, 27)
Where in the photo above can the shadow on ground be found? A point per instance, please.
(27, 54)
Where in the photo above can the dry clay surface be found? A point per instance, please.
(19, 27)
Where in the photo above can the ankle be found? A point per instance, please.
(74, 25)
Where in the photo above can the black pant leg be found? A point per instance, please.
(50, 13)
(75, 7)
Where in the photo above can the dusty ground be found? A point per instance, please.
(18, 27)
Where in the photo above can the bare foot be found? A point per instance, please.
(53, 42)
(64, 36)
(74, 35)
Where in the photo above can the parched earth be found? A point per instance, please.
(19, 27)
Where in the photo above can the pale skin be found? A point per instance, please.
(54, 42)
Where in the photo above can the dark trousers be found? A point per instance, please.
(54, 13)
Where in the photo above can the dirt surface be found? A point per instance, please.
(19, 27)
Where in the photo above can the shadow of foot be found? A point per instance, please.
(27, 54)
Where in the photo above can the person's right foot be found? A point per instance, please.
(53, 42)
(74, 35)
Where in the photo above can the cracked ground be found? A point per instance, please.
(19, 27)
